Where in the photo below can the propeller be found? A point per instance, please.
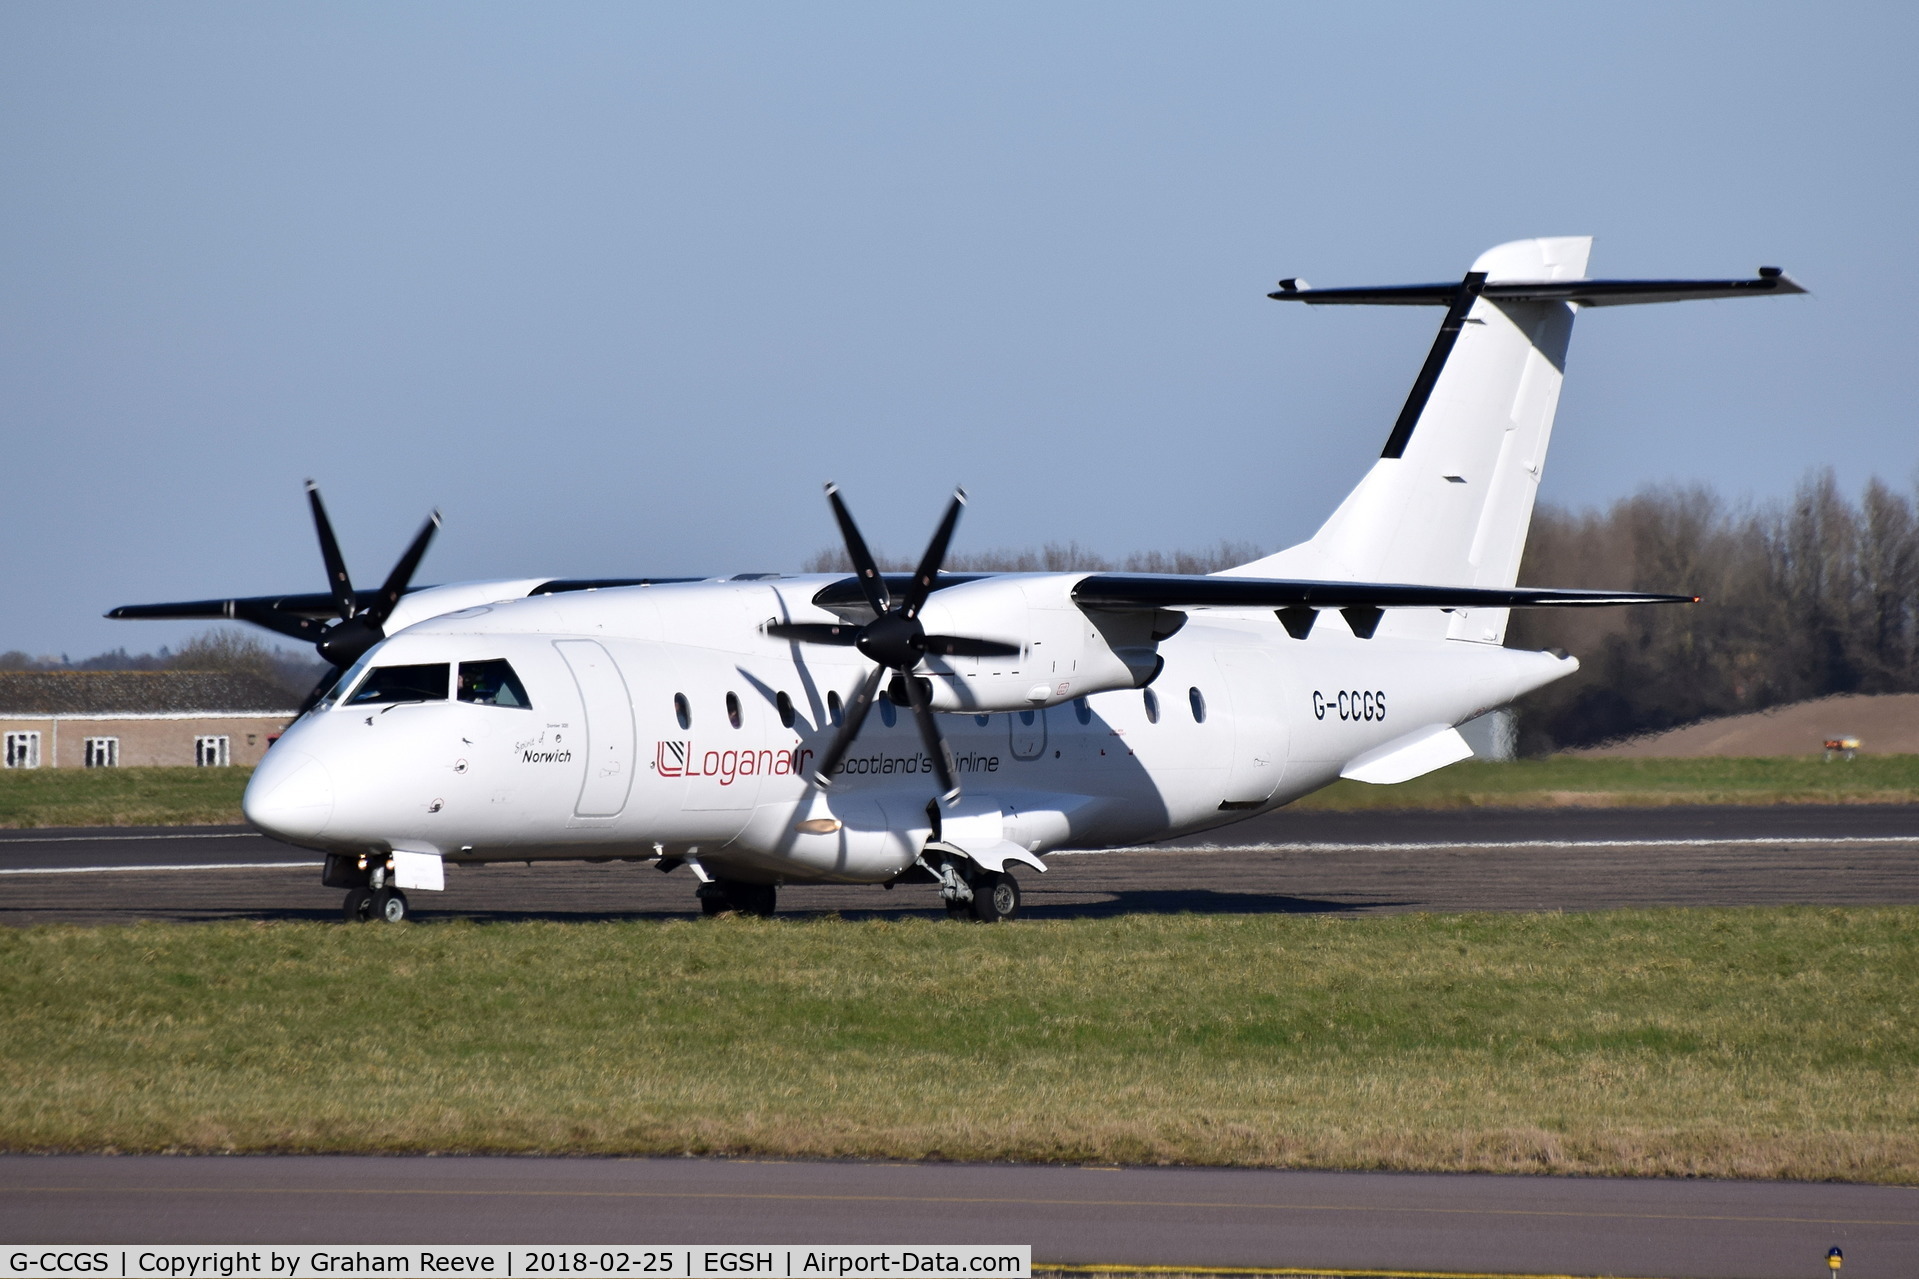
(343, 642)
(894, 641)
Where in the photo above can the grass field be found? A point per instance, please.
(1757, 1043)
(121, 796)
(196, 796)
(1630, 783)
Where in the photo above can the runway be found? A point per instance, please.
(1285, 862)
(1070, 1215)
(1348, 863)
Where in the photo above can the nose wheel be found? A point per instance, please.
(365, 905)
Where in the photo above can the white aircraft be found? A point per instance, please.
(724, 725)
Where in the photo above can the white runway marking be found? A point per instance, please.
(1493, 845)
(111, 870)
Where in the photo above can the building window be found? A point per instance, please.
(23, 750)
(210, 752)
(103, 752)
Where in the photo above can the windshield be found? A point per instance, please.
(387, 684)
(492, 684)
(344, 682)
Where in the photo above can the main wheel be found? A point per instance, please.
(754, 899)
(957, 909)
(359, 906)
(995, 897)
(389, 905)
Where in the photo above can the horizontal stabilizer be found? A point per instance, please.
(1404, 758)
(1128, 591)
(1770, 281)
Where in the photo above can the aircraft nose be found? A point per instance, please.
(290, 796)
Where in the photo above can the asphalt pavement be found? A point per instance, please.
(1392, 1222)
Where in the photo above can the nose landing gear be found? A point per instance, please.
(371, 897)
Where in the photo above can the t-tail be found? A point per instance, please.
(1449, 501)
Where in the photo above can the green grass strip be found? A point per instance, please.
(1750, 1043)
(1562, 782)
(121, 796)
(204, 796)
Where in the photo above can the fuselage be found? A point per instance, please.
(659, 722)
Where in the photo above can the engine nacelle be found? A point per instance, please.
(1066, 652)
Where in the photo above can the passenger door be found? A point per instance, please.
(609, 728)
(1259, 730)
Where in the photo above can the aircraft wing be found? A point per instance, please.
(1122, 592)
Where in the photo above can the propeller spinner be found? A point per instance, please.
(894, 641)
(338, 642)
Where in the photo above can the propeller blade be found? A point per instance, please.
(855, 716)
(935, 556)
(871, 582)
(336, 579)
(402, 574)
(967, 646)
(930, 734)
(814, 632)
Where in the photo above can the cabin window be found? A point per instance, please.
(889, 713)
(982, 720)
(833, 708)
(1082, 710)
(492, 684)
(733, 709)
(784, 705)
(386, 685)
(1198, 700)
(1152, 705)
(682, 710)
(102, 752)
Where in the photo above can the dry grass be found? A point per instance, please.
(1752, 1043)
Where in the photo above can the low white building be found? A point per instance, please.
(126, 719)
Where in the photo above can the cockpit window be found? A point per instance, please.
(492, 684)
(388, 684)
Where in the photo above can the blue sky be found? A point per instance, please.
(617, 287)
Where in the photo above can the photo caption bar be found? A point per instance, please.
(515, 1261)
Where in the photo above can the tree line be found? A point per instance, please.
(1804, 597)
(214, 650)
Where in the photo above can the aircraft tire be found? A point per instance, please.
(740, 898)
(358, 907)
(390, 906)
(995, 898)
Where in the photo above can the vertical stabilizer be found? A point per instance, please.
(1449, 500)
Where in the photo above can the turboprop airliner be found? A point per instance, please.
(946, 728)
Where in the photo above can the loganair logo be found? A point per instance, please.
(683, 759)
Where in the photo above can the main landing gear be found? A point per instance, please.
(723, 896)
(986, 896)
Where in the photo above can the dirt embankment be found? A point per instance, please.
(1887, 724)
